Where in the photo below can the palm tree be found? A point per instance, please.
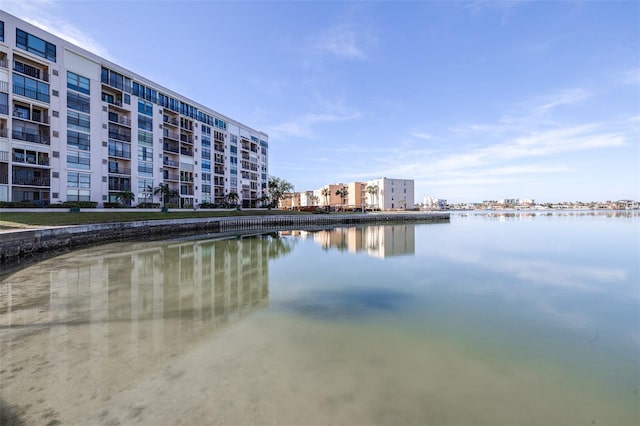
(125, 197)
(232, 197)
(279, 189)
(373, 191)
(326, 193)
(165, 193)
(343, 193)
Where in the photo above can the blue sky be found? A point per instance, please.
(474, 100)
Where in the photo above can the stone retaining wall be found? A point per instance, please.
(18, 245)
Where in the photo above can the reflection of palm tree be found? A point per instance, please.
(278, 247)
(314, 199)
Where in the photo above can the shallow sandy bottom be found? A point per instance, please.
(268, 369)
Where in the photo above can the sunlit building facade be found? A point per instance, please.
(77, 127)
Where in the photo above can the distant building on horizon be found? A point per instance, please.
(376, 194)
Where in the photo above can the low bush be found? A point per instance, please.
(149, 206)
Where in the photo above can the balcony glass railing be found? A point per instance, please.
(4, 179)
(171, 147)
(171, 176)
(4, 132)
(4, 86)
(188, 152)
(31, 180)
(4, 109)
(4, 63)
(30, 93)
(170, 163)
(120, 171)
(121, 136)
(113, 152)
(30, 137)
(119, 186)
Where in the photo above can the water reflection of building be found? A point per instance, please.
(376, 240)
(87, 325)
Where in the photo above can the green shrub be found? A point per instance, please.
(111, 205)
(149, 206)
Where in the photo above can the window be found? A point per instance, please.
(78, 180)
(34, 89)
(78, 83)
(78, 195)
(1, 31)
(78, 160)
(145, 123)
(206, 165)
(145, 138)
(78, 140)
(119, 149)
(35, 45)
(145, 169)
(78, 102)
(145, 154)
(78, 121)
(145, 108)
(145, 190)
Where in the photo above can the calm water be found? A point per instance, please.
(526, 318)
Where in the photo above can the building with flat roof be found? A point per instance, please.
(77, 127)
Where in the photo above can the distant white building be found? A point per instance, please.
(435, 203)
(392, 194)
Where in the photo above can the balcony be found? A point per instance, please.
(4, 109)
(110, 99)
(4, 87)
(187, 179)
(171, 121)
(115, 186)
(4, 132)
(4, 179)
(35, 116)
(187, 139)
(4, 156)
(30, 137)
(186, 151)
(122, 120)
(30, 71)
(38, 160)
(30, 93)
(113, 152)
(121, 136)
(119, 171)
(186, 191)
(171, 147)
(4, 63)
(171, 176)
(170, 163)
(170, 135)
(31, 180)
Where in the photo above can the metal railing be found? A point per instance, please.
(29, 93)
(31, 180)
(30, 137)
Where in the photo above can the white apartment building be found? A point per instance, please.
(390, 194)
(76, 127)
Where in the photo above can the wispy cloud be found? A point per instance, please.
(43, 14)
(302, 126)
(562, 98)
(346, 41)
(421, 135)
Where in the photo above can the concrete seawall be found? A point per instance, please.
(22, 244)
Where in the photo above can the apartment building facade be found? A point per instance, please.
(77, 127)
(376, 194)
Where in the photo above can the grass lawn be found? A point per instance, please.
(17, 220)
